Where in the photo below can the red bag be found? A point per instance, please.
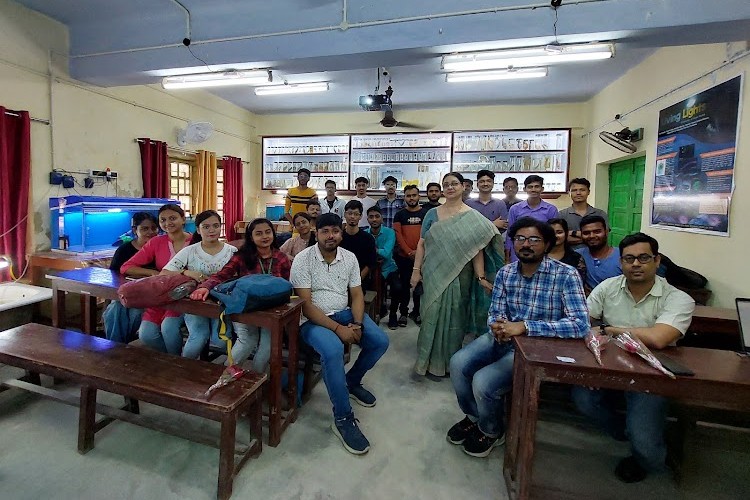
(154, 291)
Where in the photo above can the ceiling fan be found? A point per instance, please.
(623, 140)
(389, 121)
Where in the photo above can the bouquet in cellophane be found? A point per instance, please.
(631, 343)
(596, 341)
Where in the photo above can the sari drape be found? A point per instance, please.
(454, 303)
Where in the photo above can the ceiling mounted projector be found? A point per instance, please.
(374, 102)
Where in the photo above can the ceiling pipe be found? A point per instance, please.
(366, 24)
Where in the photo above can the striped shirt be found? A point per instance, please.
(389, 208)
(297, 198)
(551, 301)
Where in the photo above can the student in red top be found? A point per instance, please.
(160, 329)
(259, 254)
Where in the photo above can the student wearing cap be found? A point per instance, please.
(390, 203)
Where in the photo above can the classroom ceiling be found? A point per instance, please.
(133, 42)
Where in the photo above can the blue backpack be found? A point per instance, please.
(253, 292)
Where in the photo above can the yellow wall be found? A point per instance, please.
(94, 127)
(721, 260)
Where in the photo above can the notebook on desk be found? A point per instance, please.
(743, 318)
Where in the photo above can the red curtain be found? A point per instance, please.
(15, 177)
(154, 168)
(234, 205)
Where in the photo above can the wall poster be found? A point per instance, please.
(695, 158)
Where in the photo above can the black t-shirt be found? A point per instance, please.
(123, 254)
(363, 246)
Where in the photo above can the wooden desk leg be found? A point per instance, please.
(528, 436)
(88, 309)
(274, 387)
(514, 424)
(87, 420)
(226, 455)
(58, 308)
(292, 331)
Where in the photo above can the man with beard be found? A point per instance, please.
(602, 260)
(644, 304)
(510, 188)
(534, 206)
(390, 203)
(360, 185)
(536, 296)
(434, 192)
(324, 276)
(408, 226)
(468, 188)
(359, 242)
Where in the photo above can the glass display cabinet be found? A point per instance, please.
(325, 156)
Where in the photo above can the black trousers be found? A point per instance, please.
(405, 267)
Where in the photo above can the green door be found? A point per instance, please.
(625, 198)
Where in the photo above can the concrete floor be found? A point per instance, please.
(409, 456)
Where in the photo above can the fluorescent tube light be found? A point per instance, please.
(523, 58)
(294, 88)
(498, 74)
(219, 79)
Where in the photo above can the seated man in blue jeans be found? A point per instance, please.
(536, 296)
(324, 275)
(648, 307)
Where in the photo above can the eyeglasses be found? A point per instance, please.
(533, 240)
(447, 185)
(643, 258)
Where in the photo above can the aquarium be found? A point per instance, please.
(94, 224)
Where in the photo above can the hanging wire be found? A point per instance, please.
(201, 60)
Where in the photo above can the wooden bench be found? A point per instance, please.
(142, 375)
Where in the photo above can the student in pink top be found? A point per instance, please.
(306, 237)
(160, 329)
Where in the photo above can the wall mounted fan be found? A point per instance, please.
(623, 140)
(194, 133)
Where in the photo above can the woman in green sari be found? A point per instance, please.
(457, 258)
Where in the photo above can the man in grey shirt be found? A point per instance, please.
(579, 189)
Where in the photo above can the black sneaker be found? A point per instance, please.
(392, 322)
(478, 444)
(347, 430)
(402, 321)
(629, 471)
(416, 318)
(362, 396)
(458, 433)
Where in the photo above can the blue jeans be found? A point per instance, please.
(199, 331)
(374, 343)
(482, 373)
(645, 419)
(249, 339)
(163, 338)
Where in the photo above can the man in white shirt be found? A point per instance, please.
(332, 203)
(361, 184)
(328, 323)
(644, 304)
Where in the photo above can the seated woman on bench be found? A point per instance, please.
(160, 329)
(259, 254)
(203, 257)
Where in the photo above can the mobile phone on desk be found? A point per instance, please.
(674, 366)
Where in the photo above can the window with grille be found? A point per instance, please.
(179, 183)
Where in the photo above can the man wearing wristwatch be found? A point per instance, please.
(536, 296)
(579, 190)
(324, 276)
(648, 307)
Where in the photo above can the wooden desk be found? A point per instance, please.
(93, 283)
(41, 261)
(171, 382)
(722, 380)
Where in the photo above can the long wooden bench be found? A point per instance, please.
(143, 375)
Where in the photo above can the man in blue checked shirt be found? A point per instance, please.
(535, 296)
